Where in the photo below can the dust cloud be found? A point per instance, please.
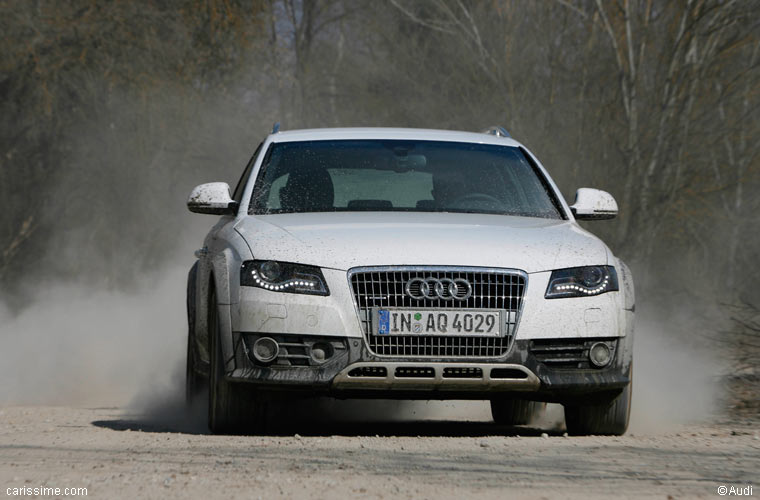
(676, 377)
(74, 345)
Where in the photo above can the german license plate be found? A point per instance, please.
(403, 321)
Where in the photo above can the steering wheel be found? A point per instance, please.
(477, 198)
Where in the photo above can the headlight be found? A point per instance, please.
(582, 282)
(283, 277)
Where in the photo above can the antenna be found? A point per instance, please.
(276, 127)
(497, 130)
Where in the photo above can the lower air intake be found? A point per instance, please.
(369, 371)
(414, 372)
(462, 373)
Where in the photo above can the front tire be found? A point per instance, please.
(516, 411)
(233, 408)
(194, 383)
(607, 418)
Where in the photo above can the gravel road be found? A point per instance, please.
(117, 454)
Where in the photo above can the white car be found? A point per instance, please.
(406, 263)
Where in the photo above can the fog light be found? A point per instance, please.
(600, 354)
(321, 352)
(265, 349)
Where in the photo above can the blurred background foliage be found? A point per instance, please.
(113, 110)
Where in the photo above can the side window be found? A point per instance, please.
(238, 194)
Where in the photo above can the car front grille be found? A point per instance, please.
(491, 289)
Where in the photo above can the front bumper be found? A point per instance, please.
(353, 372)
(334, 320)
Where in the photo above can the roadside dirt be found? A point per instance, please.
(118, 455)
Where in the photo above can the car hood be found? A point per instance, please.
(342, 240)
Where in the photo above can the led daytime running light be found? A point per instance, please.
(587, 291)
(569, 282)
(280, 286)
(288, 278)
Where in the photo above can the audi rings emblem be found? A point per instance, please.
(439, 288)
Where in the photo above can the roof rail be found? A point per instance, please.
(497, 130)
(276, 127)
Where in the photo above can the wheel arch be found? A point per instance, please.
(222, 284)
(192, 309)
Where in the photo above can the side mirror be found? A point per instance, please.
(593, 204)
(212, 198)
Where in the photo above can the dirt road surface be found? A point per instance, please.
(118, 455)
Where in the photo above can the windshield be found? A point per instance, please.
(399, 175)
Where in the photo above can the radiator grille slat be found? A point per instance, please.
(491, 289)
